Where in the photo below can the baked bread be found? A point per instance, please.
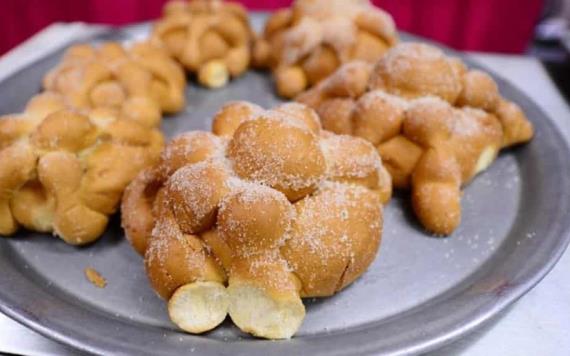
(435, 122)
(211, 38)
(269, 205)
(307, 42)
(139, 82)
(64, 172)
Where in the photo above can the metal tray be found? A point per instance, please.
(421, 292)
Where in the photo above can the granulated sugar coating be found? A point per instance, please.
(435, 122)
(303, 44)
(277, 209)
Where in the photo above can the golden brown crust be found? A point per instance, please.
(278, 153)
(306, 43)
(329, 255)
(137, 214)
(174, 259)
(231, 116)
(141, 81)
(419, 104)
(65, 172)
(233, 209)
(209, 37)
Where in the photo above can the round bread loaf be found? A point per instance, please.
(248, 222)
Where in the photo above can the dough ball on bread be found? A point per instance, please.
(355, 161)
(414, 70)
(232, 115)
(278, 153)
(246, 234)
(188, 148)
(329, 255)
(194, 193)
(174, 259)
(199, 306)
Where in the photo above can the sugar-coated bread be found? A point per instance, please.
(328, 255)
(246, 221)
(137, 208)
(435, 122)
(211, 38)
(64, 171)
(194, 193)
(139, 82)
(280, 153)
(231, 116)
(304, 44)
(174, 258)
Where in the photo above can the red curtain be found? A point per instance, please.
(483, 25)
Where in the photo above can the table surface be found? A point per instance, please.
(538, 324)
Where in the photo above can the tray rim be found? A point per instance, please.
(532, 278)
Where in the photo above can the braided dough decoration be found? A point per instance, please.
(140, 82)
(306, 43)
(64, 172)
(211, 38)
(269, 205)
(435, 123)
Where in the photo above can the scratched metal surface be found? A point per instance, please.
(420, 293)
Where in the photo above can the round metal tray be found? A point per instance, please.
(420, 293)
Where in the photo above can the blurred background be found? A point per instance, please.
(534, 27)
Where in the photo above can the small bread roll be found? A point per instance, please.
(66, 169)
